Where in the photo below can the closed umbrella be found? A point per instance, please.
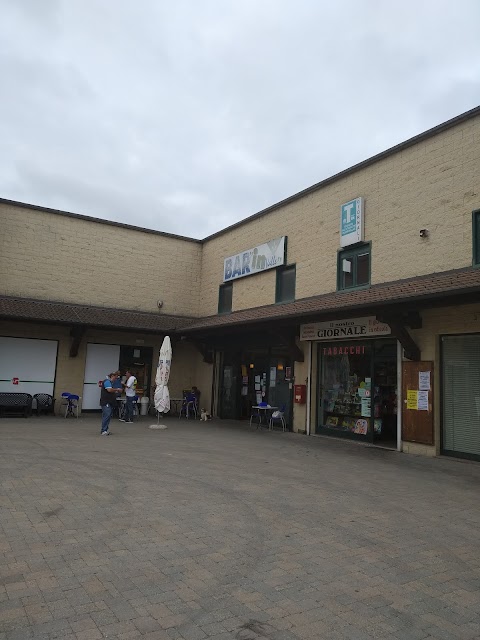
(162, 396)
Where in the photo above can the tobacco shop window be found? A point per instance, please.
(225, 298)
(476, 237)
(354, 267)
(285, 291)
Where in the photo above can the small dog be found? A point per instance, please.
(204, 415)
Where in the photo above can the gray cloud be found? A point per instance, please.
(187, 117)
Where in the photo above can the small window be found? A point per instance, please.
(286, 277)
(225, 298)
(354, 267)
(476, 237)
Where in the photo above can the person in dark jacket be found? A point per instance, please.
(108, 396)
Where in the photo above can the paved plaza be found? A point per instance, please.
(218, 530)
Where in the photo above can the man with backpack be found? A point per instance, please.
(108, 398)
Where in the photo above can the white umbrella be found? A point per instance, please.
(162, 396)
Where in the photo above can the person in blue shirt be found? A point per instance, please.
(107, 398)
(117, 384)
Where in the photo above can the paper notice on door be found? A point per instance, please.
(424, 380)
(257, 378)
(412, 399)
(257, 386)
(366, 407)
(423, 400)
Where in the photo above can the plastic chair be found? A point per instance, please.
(279, 417)
(45, 403)
(65, 397)
(189, 406)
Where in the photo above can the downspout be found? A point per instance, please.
(309, 386)
(399, 395)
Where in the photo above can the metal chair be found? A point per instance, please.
(278, 416)
(71, 407)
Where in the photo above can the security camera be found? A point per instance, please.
(424, 233)
(160, 304)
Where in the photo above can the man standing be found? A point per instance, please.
(107, 398)
(130, 392)
(117, 384)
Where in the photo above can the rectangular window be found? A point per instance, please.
(476, 237)
(285, 291)
(354, 267)
(225, 298)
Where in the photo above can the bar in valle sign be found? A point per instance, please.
(262, 257)
(367, 327)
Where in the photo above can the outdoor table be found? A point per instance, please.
(265, 409)
(175, 404)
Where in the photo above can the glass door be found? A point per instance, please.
(345, 398)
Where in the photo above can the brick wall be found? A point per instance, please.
(55, 257)
(434, 184)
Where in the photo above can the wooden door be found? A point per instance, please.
(417, 413)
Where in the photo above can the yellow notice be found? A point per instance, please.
(412, 399)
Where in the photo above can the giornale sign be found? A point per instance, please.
(341, 329)
(351, 222)
(262, 257)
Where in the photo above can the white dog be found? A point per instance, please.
(204, 415)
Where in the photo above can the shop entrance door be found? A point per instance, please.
(417, 414)
(228, 392)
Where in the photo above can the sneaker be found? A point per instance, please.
(128, 421)
(105, 433)
(121, 420)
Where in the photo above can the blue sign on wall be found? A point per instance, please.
(351, 222)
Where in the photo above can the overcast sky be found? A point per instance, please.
(189, 115)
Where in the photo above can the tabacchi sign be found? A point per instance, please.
(265, 256)
(341, 329)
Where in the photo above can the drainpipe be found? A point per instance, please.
(309, 386)
(399, 395)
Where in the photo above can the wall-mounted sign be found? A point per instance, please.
(15, 380)
(351, 222)
(262, 257)
(346, 350)
(341, 329)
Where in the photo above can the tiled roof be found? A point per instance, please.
(420, 290)
(425, 288)
(64, 313)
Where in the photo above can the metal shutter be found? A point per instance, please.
(461, 394)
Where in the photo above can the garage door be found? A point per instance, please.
(102, 359)
(27, 365)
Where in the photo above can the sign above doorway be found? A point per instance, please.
(368, 327)
(262, 257)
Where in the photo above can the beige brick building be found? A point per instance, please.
(408, 285)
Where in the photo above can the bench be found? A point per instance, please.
(15, 403)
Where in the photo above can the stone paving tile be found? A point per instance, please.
(218, 531)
